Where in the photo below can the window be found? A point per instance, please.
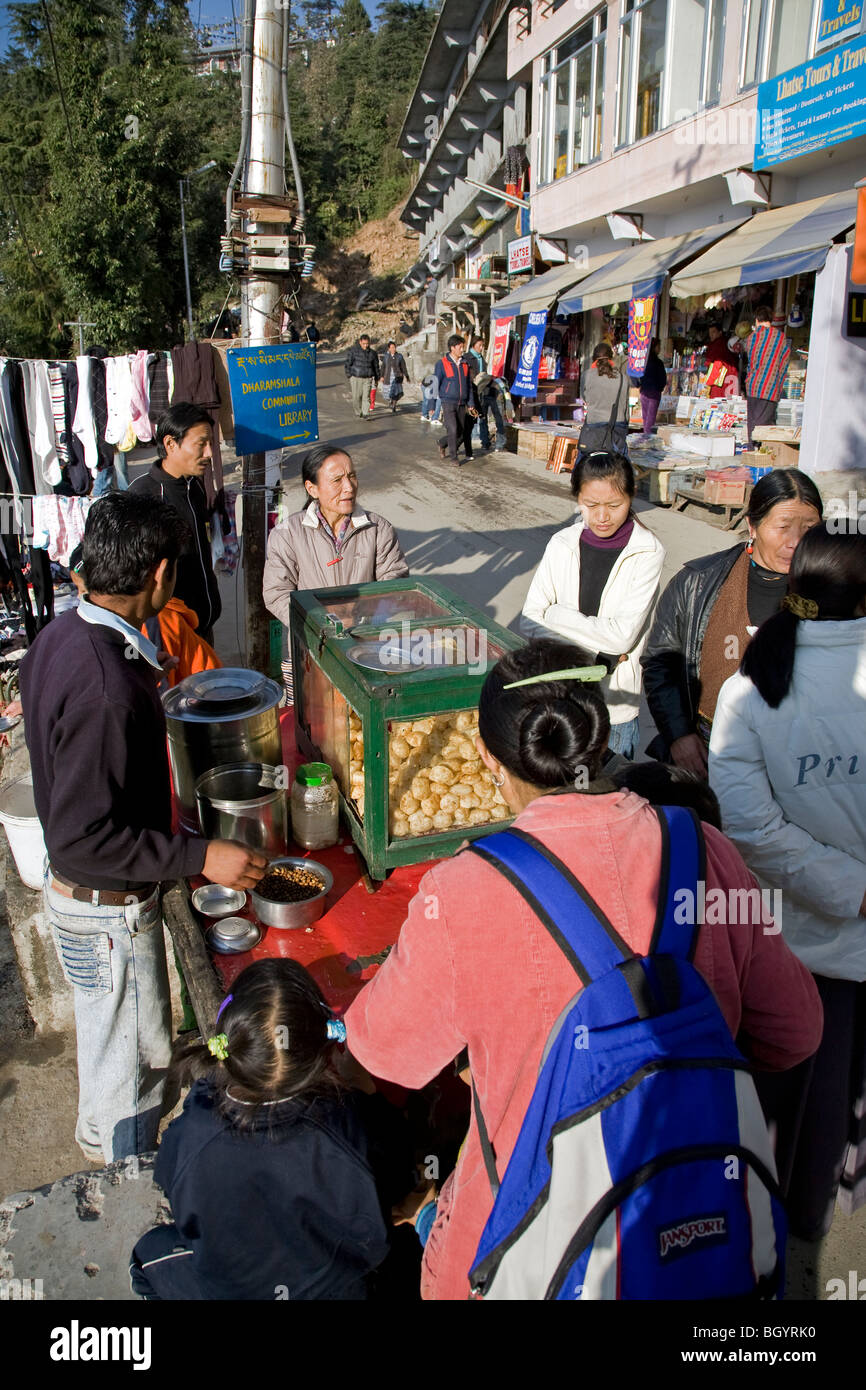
(570, 101)
(670, 63)
(777, 36)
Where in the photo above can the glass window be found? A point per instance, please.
(650, 66)
(670, 63)
(624, 85)
(693, 81)
(571, 92)
(777, 36)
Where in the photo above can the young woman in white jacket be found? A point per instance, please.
(597, 585)
(787, 761)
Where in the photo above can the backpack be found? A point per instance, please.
(643, 1168)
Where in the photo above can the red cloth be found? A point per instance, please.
(720, 352)
(474, 967)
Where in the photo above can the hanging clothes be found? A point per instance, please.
(195, 381)
(40, 426)
(84, 420)
(157, 378)
(14, 438)
(58, 525)
(118, 395)
(76, 478)
(140, 396)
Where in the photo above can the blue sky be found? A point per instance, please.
(202, 11)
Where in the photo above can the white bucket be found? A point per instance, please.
(19, 819)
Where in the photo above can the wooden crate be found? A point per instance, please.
(562, 455)
(542, 443)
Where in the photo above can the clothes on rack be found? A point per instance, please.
(58, 525)
(40, 426)
(158, 386)
(118, 394)
(140, 396)
(195, 381)
(14, 440)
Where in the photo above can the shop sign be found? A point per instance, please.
(520, 255)
(641, 316)
(818, 104)
(273, 396)
(856, 315)
(838, 19)
(526, 381)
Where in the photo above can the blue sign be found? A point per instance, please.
(273, 396)
(818, 104)
(526, 381)
(838, 19)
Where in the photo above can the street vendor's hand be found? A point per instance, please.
(167, 661)
(472, 411)
(689, 752)
(234, 865)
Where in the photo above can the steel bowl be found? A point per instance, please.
(215, 900)
(231, 936)
(291, 915)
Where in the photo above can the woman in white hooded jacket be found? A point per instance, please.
(597, 585)
(787, 761)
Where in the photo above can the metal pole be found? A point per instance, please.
(186, 263)
(261, 297)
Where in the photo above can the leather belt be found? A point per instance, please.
(100, 897)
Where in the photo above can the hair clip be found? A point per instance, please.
(228, 999)
(571, 673)
(336, 1030)
(800, 607)
(218, 1047)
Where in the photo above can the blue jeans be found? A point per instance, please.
(484, 427)
(427, 403)
(114, 958)
(624, 738)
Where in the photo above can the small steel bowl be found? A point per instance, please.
(292, 915)
(215, 900)
(231, 936)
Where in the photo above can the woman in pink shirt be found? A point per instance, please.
(474, 968)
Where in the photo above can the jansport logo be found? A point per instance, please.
(675, 1240)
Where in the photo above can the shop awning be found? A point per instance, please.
(542, 290)
(771, 246)
(641, 270)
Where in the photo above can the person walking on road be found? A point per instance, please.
(431, 406)
(394, 373)
(362, 369)
(459, 400)
(769, 354)
(96, 734)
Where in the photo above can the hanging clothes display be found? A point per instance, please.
(140, 396)
(158, 386)
(40, 426)
(58, 525)
(118, 395)
(14, 437)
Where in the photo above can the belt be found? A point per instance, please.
(99, 897)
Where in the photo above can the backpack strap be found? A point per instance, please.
(683, 870)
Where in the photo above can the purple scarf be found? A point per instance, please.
(618, 541)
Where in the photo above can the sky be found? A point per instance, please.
(202, 11)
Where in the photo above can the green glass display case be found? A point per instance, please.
(387, 678)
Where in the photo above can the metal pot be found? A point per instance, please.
(241, 802)
(288, 915)
(216, 719)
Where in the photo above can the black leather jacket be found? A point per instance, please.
(363, 362)
(672, 656)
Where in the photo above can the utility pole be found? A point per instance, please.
(80, 325)
(261, 298)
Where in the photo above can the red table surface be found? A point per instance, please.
(355, 922)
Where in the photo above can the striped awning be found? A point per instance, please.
(773, 245)
(641, 270)
(542, 290)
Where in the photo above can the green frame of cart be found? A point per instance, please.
(380, 698)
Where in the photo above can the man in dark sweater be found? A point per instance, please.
(96, 733)
(184, 442)
(362, 370)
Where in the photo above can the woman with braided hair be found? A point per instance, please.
(788, 765)
(474, 968)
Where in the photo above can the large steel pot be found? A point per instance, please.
(218, 718)
(242, 802)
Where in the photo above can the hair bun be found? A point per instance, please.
(560, 735)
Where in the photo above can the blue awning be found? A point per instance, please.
(641, 270)
(773, 245)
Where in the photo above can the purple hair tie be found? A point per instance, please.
(228, 999)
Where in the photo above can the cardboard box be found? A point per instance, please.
(780, 455)
(726, 486)
(709, 443)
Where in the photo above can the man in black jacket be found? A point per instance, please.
(184, 442)
(96, 733)
(362, 369)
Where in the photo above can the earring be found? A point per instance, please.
(750, 547)
(497, 781)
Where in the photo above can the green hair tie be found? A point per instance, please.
(218, 1047)
(572, 673)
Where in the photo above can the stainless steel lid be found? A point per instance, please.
(232, 935)
(214, 900)
(221, 696)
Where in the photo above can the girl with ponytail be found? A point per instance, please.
(475, 968)
(268, 1167)
(787, 761)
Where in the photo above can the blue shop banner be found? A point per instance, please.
(838, 19)
(273, 396)
(818, 104)
(526, 381)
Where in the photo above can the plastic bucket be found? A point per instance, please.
(19, 819)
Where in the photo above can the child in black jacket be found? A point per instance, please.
(270, 1168)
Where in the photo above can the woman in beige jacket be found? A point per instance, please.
(329, 543)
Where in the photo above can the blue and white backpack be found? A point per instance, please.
(643, 1169)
